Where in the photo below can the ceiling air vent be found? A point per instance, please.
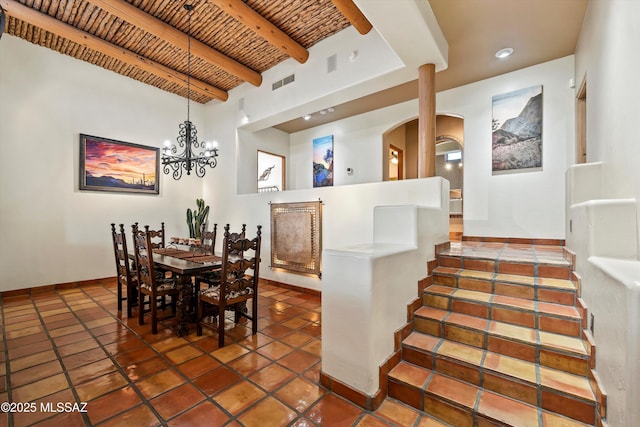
(332, 63)
(282, 82)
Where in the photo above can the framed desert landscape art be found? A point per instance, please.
(110, 165)
(517, 131)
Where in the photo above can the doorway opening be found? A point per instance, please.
(403, 140)
(581, 123)
(396, 163)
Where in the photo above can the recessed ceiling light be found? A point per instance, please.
(503, 53)
(307, 117)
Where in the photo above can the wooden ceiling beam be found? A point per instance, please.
(264, 28)
(59, 28)
(354, 15)
(166, 32)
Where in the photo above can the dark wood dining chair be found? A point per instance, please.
(157, 236)
(208, 239)
(126, 280)
(150, 284)
(237, 285)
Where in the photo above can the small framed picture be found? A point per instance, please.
(271, 172)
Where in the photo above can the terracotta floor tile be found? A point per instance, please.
(78, 347)
(296, 339)
(177, 400)
(268, 412)
(111, 404)
(140, 416)
(249, 363)
(83, 358)
(183, 354)
(198, 366)
(63, 419)
(238, 397)
(27, 350)
(92, 370)
(455, 391)
(509, 366)
(371, 421)
(101, 385)
(229, 353)
(397, 413)
(28, 418)
(333, 411)
(35, 373)
(205, 414)
(159, 383)
(461, 352)
(410, 374)
(505, 410)
(276, 331)
(275, 350)
(216, 380)
(299, 361)
(300, 394)
(566, 383)
(134, 356)
(32, 360)
(271, 377)
(255, 341)
(41, 388)
(314, 347)
(146, 368)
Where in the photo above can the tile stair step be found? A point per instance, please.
(520, 265)
(549, 349)
(559, 291)
(519, 379)
(561, 319)
(466, 405)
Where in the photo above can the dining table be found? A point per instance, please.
(185, 262)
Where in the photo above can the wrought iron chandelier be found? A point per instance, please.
(187, 138)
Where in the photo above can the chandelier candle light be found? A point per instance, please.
(188, 136)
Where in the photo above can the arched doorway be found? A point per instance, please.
(400, 160)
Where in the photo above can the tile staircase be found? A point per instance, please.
(500, 338)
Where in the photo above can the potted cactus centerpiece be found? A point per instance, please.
(196, 218)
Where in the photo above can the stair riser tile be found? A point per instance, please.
(470, 308)
(479, 264)
(466, 336)
(511, 348)
(456, 369)
(560, 326)
(510, 387)
(483, 422)
(447, 412)
(554, 272)
(417, 357)
(515, 317)
(412, 396)
(426, 326)
(436, 301)
(516, 268)
(444, 280)
(512, 290)
(447, 261)
(478, 285)
(558, 297)
(572, 408)
(564, 362)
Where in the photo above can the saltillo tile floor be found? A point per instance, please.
(71, 347)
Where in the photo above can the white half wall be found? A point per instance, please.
(53, 232)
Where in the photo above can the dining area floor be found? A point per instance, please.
(68, 357)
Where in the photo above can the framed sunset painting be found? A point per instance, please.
(109, 165)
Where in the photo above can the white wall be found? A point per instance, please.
(357, 142)
(529, 204)
(607, 57)
(52, 232)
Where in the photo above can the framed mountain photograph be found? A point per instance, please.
(516, 129)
